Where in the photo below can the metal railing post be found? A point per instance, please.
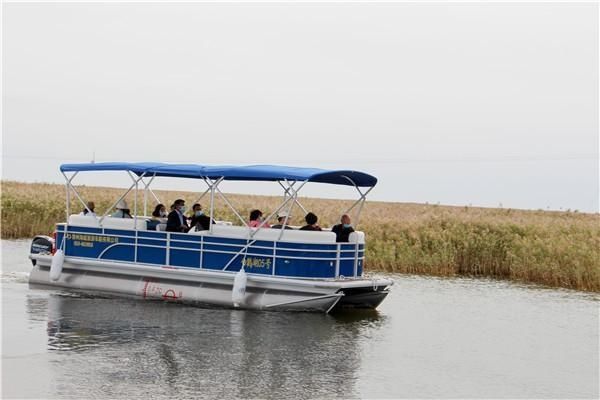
(337, 260)
(201, 251)
(168, 252)
(356, 257)
(274, 257)
(135, 220)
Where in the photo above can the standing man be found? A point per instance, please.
(343, 230)
(177, 221)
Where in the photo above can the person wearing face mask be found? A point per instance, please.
(343, 230)
(159, 216)
(256, 219)
(160, 213)
(122, 210)
(176, 220)
(199, 222)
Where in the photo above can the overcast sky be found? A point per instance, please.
(465, 103)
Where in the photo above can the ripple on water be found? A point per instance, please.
(14, 277)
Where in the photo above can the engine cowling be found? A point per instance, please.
(41, 244)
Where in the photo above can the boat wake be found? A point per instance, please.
(14, 277)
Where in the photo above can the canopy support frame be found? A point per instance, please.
(203, 193)
(226, 200)
(69, 187)
(146, 190)
(120, 198)
(250, 241)
(361, 200)
(286, 193)
(294, 196)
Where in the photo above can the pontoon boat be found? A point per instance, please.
(227, 265)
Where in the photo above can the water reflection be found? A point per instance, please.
(183, 351)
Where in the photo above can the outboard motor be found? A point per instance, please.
(41, 244)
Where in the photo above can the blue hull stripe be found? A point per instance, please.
(309, 260)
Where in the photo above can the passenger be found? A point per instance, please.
(159, 216)
(199, 222)
(343, 230)
(122, 210)
(177, 221)
(281, 221)
(311, 223)
(90, 206)
(256, 219)
(160, 213)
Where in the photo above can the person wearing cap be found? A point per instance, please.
(281, 221)
(122, 210)
(343, 230)
(177, 221)
(311, 223)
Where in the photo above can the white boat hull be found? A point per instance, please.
(204, 287)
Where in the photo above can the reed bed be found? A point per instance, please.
(560, 249)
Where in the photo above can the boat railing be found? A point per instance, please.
(351, 251)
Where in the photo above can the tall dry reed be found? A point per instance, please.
(551, 248)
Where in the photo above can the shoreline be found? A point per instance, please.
(549, 248)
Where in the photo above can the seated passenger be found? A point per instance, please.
(159, 216)
(311, 223)
(160, 213)
(343, 230)
(256, 219)
(199, 221)
(90, 207)
(177, 221)
(281, 221)
(122, 210)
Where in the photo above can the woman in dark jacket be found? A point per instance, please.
(311, 223)
(159, 216)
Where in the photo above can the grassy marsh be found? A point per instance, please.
(560, 249)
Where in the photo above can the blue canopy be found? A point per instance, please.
(234, 173)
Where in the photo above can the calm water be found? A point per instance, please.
(430, 338)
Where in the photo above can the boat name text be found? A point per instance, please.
(92, 238)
